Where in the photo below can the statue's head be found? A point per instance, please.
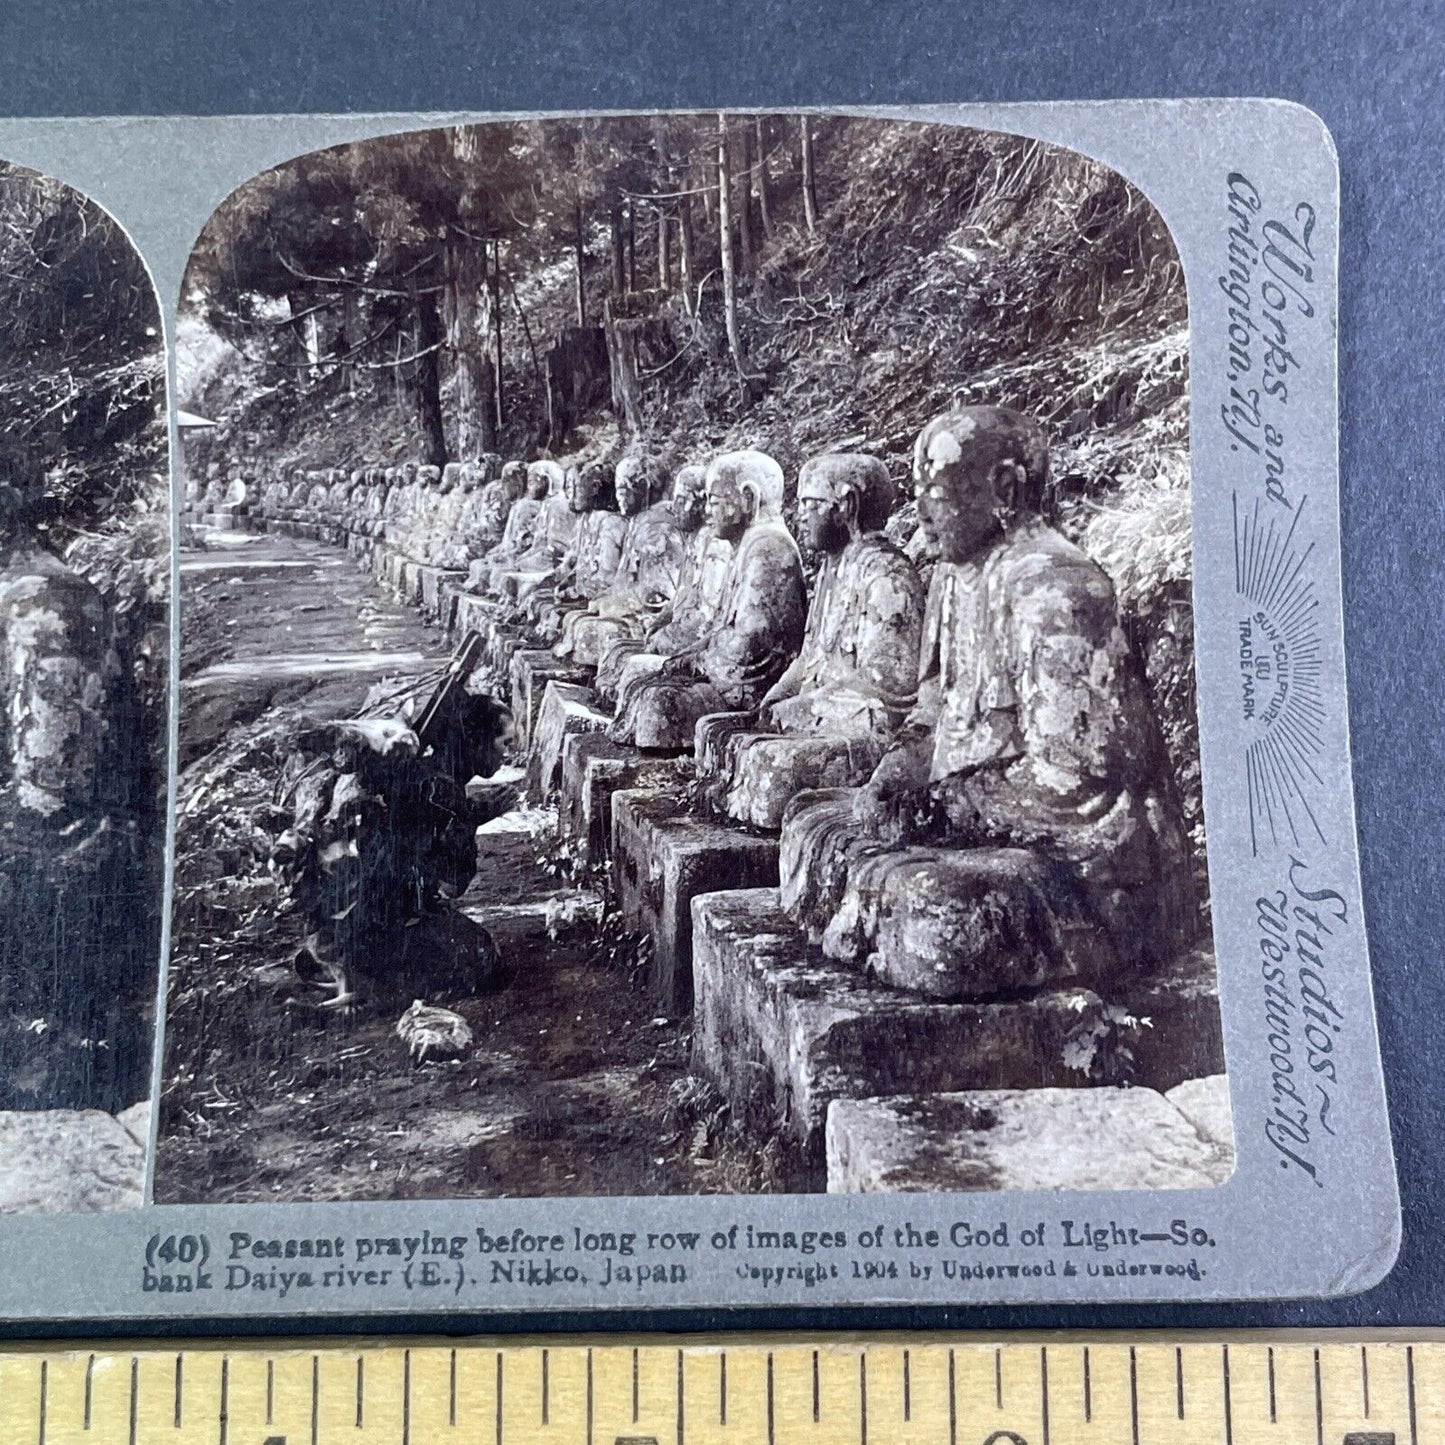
(430, 477)
(406, 473)
(585, 486)
(977, 471)
(451, 477)
(637, 481)
(689, 497)
(517, 482)
(545, 479)
(490, 467)
(743, 489)
(839, 495)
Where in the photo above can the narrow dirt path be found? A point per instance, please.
(574, 1087)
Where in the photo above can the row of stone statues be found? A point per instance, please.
(971, 788)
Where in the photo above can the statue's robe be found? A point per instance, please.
(836, 706)
(755, 635)
(517, 537)
(79, 879)
(1050, 845)
(646, 578)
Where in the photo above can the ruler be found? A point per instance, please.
(755, 1390)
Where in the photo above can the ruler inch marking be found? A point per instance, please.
(589, 1396)
(452, 1393)
(1319, 1403)
(770, 1398)
(223, 1419)
(1365, 1380)
(817, 1401)
(1088, 1389)
(45, 1399)
(360, 1391)
(997, 1378)
(134, 1374)
(1179, 1381)
(1273, 1407)
(89, 1383)
(722, 1387)
(680, 1415)
(499, 1397)
(315, 1399)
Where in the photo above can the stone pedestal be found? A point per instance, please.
(998, 1139)
(567, 708)
(593, 769)
(69, 1161)
(783, 1030)
(433, 581)
(529, 671)
(662, 859)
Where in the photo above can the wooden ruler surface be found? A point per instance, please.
(753, 1390)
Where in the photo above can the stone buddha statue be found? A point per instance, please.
(647, 573)
(827, 720)
(590, 562)
(519, 533)
(552, 534)
(686, 598)
(1024, 828)
(758, 625)
(488, 526)
(443, 515)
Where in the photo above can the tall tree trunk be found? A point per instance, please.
(466, 263)
(725, 245)
(496, 292)
(632, 245)
(764, 180)
(688, 258)
(619, 279)
(810, 192)
(709, 197)
(580, 259)
(745, 202)
(429, 379)
(664, 251)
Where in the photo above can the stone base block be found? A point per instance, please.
(1185, 1036)
(529, 671)
(784, 1031)
(68, 1161)
(662, 859)
(567, 708)
(593, 769)
(433, 580)
(998, 1139)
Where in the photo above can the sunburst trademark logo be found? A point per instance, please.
(1279, 698)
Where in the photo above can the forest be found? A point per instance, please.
(689, 283)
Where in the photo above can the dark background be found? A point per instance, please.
(1372, 71)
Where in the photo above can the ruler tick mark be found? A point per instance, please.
(680, 1420)
(817, 1402)
(89, 1382)
(180, 1363)
(722, 1388)
(952, 1402)
(634, 1386)
(452, 1393)
(134, 1372)
(998, 1379)
(1088, 1389)
(589, 1397)
(863, 1399)
(1365, 1380)
(1229, 1403)
(1179, 1382)
(1319, 1404)
(315, 1399)
(546, 1387)
(406, 1398)
(360, 1390)
(270, 1392)
(1044, 1391)
(770, 1397)
(1273, 1412)
(499, 1397)
(907, 1388)
(45, 1398)
(225, 1419)
(1410, 1392)
(1133, 1395)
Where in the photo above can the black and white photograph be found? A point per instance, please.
(85, 523)
(687, 672)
